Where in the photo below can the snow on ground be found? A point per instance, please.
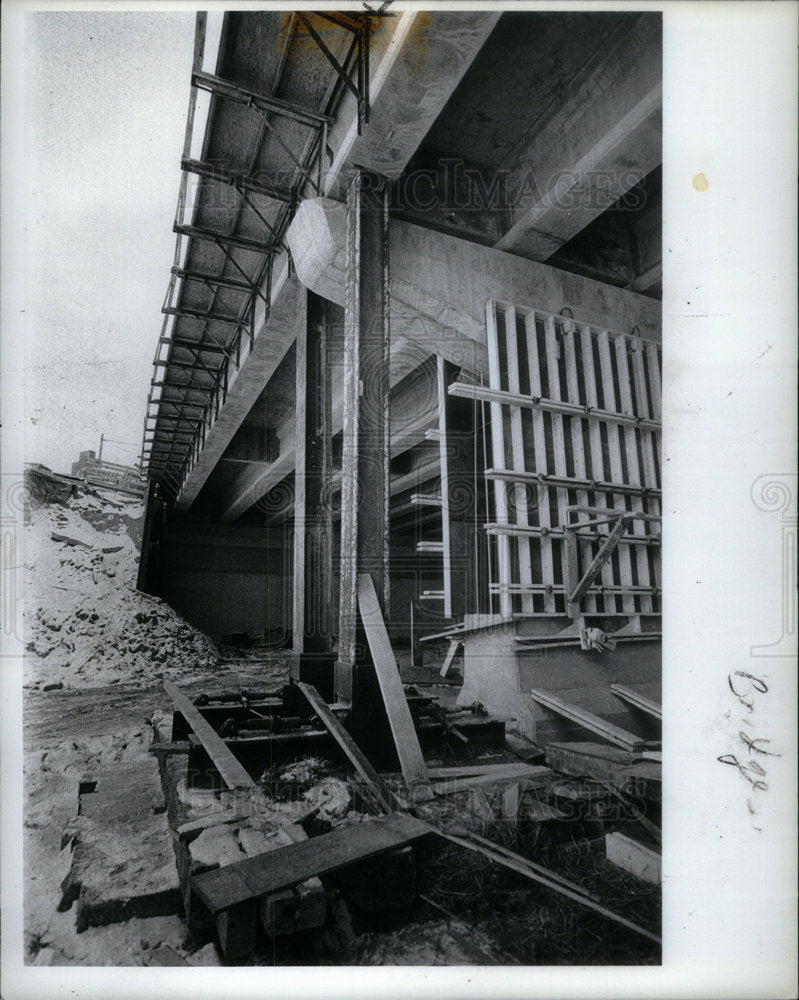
(85, 623)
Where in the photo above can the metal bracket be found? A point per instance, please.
(361, 30)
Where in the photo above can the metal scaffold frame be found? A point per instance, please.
(215, 353)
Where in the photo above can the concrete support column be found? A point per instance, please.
(313, 528)
(365, 457)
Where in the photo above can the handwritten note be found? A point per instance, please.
(750, 694)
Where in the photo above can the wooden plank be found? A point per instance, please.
(540, 447)
(517, 456)
(542, 812)
(558, 437)
(399, 716)
(194, 827)
(653, 371)
(510, 806)
(559, 755)
(498, 458)
(168, 748)
(468, 390)
(637, 814)
(567, 483)
(614, 734)
(444, 471)
(633, 857)
(288, 866)
(522, 747)
(530, 772)
(469, 770)
(649, 443)
(350, 747)
(479, 805)
(522, 867)
(453, 649)
(638, 700)
(522, 860)
(614, 451)
(231, 771)
(578, 446)
(606, 550)
(633, 470)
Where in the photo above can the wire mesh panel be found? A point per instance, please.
(574, 498)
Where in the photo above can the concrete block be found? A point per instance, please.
(311, 904)
(634, 857)
(235, 930)
(254, 842)
(277, 912)
(121, 863)
(216, 846)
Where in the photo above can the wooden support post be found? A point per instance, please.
(614, 451)
(406, 741)
(553, 354)
(633, 469)
(597, 463)
(313, 522)
(365, 456)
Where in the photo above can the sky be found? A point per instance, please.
(105, 113)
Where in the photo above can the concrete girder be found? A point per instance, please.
(597, 144)
(440, 284)
(426, 60)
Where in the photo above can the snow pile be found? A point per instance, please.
(85, 623)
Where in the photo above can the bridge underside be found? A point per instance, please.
(413, 329)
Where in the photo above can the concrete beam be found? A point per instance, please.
(600, 141)
(246, 383)
(431, 55)
(440, 284)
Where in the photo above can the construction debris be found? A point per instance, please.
(86, 624)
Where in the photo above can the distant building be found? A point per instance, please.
(100, 473)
